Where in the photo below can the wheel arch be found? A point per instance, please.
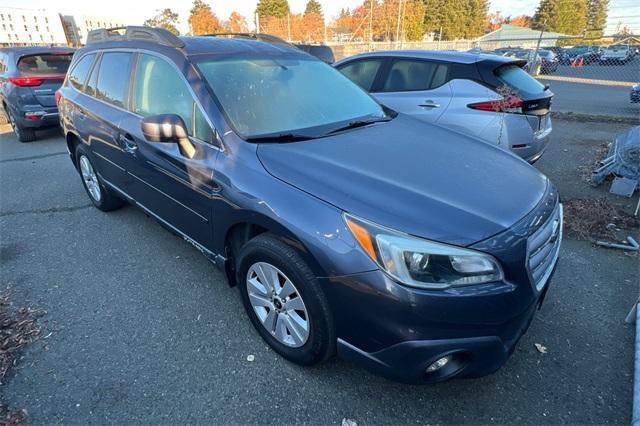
(73, 140)
(241, 231)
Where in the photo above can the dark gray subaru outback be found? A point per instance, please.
(416, 251)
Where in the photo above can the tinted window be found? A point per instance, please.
(159, 89)
(518, 79)
(90, 88)
(45, 64)
(113, 78)
(407, 75)
(265, 95)
(78, 74)
(362, 73)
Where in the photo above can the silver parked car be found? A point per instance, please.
(487, 96)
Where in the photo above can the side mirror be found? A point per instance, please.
(168, 128)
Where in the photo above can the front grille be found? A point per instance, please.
(543, 247)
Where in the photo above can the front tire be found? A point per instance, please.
(101, 197)
(285, 302)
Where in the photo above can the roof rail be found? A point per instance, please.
(266, 38)
(135, 33)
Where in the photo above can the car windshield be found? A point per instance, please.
(269, 96)
(45, 64)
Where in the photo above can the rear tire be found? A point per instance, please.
(101, 197)
(302, 302)
(23, 134)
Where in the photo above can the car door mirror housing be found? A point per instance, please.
(167, 128)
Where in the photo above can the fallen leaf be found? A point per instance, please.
(542, 349)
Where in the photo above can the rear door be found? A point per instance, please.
(42, 74)
(416, 87)
(107, 91)
(176, 187)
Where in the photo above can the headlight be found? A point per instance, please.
(422, 263)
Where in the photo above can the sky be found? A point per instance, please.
(136, 11)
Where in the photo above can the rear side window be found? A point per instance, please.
(518, 79)
(408, 75)
(45, 64)
(80, 71)
(363, 72)
(159, 89)
(113, 80)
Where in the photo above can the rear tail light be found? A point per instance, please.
(34, 115)
(511, 104)
(33, 81)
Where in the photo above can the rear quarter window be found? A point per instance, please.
(45, 64)
(518, 79)
(80, 71)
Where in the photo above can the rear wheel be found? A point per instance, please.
(284, 301)
(101, 197)
(23, 134)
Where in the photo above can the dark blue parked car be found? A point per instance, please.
(29, 77)
(414, 250)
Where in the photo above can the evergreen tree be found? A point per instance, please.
(597, 18)
(276, 8)
(313, 7)
(456, 18)
(562, 16)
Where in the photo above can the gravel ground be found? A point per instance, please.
(145, 330)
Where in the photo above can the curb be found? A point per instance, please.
(578, 116)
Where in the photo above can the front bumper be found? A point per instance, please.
(485, 349)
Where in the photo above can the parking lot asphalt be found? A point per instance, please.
(142, 329)
(587, 96)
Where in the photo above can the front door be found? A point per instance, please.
(176, 186)
(416, 87)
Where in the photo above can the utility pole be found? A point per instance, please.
(532, 69)
(398, 25)
(257, 23)
(439, 38)
(371, 24)
(288, 27)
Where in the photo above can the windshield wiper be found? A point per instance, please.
(359, 123)
(280, 137)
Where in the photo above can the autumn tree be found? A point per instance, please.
(412, 25)
(236, 23)
(275, 8)
(202, 20)
(562, 16)
(525, 21)
(164, 18)
(312, 22)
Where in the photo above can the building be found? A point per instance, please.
(511, 35)
(25, 27)
(77, 27)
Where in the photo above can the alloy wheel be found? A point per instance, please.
(278, 304)
(90, 178)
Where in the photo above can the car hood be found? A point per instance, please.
(414, 177)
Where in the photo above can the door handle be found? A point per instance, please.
(127, 143)
(429, 104)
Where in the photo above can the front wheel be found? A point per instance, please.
(284, 301)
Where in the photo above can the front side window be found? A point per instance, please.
(363, 72)
(80, 71)
(412, 75)
(159, 89)
(262, 95)
(112, 81)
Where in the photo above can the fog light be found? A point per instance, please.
(438, 364)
